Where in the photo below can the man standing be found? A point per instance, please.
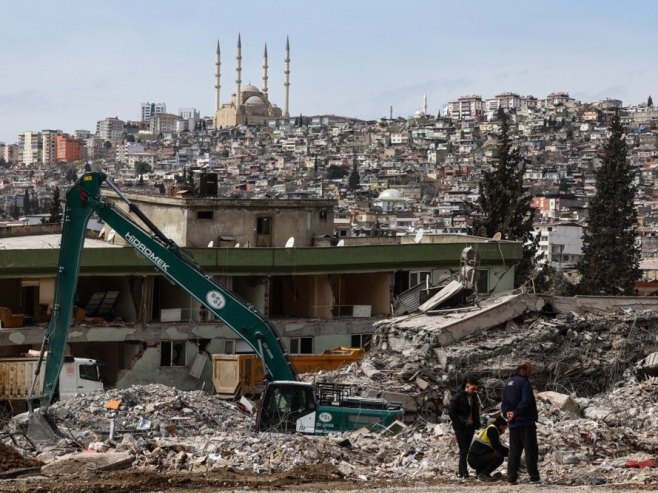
(487, 452)
(520, 408)
(464, 411)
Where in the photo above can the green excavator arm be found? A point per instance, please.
(85, 198)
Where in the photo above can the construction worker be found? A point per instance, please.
(487, 452)
(464, 411)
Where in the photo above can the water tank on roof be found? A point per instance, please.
(208, 185)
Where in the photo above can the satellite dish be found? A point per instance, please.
(291, 242)
(497, 236)
(237, 245)
(211, 244)
(419, 236)
(340, 243)
(111, 236)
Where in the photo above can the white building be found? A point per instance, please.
(561, 244)
(149, 110)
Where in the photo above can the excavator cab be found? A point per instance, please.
(286, 407)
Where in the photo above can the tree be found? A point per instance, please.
(354, 180)
(27, 203)
(611, 257)
(142, 167)
(335, 172)
(650, 102)
(503, 205)
(55, 209)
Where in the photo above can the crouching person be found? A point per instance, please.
(487, 453)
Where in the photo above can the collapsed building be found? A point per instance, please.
(596, 366)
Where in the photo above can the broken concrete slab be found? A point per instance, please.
(86, 461)
(563, 402)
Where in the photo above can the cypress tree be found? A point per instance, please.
(504, 206)
(611, 258)
(55, 209)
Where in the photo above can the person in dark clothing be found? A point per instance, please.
(464, 411)
(487, 453)
(520, 408)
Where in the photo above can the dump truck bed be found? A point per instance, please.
(242, 374)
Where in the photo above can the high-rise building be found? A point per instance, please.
(49, 146)
(68, 149)
(110, 129)
(31, 144)
(149, 110)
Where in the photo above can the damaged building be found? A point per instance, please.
(278, 255)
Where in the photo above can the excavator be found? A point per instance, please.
(287, 405)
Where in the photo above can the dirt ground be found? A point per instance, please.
(318, 479)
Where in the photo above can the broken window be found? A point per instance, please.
(418, 277)
(301, 345)
(361, 340)
(172, 353)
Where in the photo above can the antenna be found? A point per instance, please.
(291, 242)
(419, 236)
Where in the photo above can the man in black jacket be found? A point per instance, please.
(464, 411)
(520, 408)
(487, 452)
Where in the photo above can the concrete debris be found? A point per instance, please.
(598, 414)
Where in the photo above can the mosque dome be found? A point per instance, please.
(254, 101)
(390, 194)
(250, 88)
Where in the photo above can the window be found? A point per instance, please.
(229, 347)
(172, 353)
(89, 372)
(301, 345)
(483, 281)
(361, 340)
(323, 215)
(204, 214)
(418, 277)
(263, 225)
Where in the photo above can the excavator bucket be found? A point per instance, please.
(41, 429)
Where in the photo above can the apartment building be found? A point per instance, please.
(68, 149)
(31, 146)
(149, 110)
(467, 108)
(110, 129)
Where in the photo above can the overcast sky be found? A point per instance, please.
(70, 63)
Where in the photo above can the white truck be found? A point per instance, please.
(78, 376)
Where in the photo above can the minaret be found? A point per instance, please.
(425, 104)
(265, 73)
(238, 81)
(286, 113)
(218, 74)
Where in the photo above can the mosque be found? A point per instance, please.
(249, 105)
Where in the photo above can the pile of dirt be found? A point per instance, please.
(11, 459)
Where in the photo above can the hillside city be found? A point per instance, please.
(389, 177)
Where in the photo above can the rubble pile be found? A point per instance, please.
(149, 410)
(10, 459)
(581, 355)
(597, 413)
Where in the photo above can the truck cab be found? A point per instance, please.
(79, 376)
